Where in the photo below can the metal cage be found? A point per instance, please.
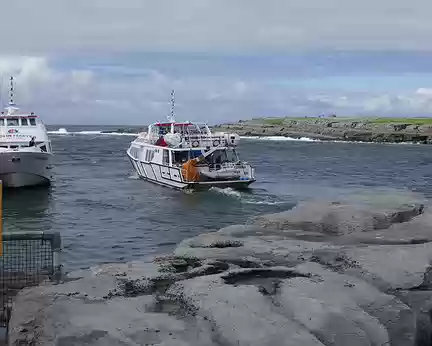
(28, 259)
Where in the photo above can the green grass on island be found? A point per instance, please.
(382, 120)
(413, 121)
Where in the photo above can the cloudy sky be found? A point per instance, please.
(115, 62)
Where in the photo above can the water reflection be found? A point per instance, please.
(27, 209)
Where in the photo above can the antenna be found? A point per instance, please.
(11, 93)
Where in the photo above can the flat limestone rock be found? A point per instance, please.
(335, 219)
(321, 274)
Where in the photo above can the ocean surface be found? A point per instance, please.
(106, 214)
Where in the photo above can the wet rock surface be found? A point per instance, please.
(323, 273)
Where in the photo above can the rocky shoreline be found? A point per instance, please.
(323, 273)
(353, 130)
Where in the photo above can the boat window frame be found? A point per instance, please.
(149, 155)
(26, 120)
(166, 158)
(12, 125)
(176, 153)
(31, 120)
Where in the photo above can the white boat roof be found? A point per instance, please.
(12, 111)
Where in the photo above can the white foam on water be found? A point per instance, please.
(280, 138)
(228, 191)
(307, 139)
(263, 202)
(246, 198)
(64, 131)
(134, 176)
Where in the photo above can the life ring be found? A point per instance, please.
(195, 144)
(216, 143)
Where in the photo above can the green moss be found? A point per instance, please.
(273, 121)
(413, 121)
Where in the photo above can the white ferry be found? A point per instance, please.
(25, 149)
(187, 155)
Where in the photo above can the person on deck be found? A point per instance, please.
(32, 142)
(161, 142)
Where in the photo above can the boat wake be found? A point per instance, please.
(247, 198)
(64, 131)
(228, 191)
(134, 177)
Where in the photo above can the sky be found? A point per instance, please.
(116, 62)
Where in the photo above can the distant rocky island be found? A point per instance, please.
(361, 129)
(123, 130)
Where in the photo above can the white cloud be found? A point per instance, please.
(38, 85)
(193, 25)
(81, 96)
(424, 91)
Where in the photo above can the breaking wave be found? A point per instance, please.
(307, 139)
(64, 131)
(280, 138)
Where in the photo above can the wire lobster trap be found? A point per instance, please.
(26, 259)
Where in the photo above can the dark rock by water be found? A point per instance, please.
(323, 273)
(122, 130)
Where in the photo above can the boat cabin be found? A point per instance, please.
(17, 130)
(185, 129)
(18, 120)
(222, 155)
(187, 135)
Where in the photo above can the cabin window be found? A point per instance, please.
(1, 122)
(149, 155)
(165, 159)
(32, 121)
(134, 153)
(13, 122)
(195, 153)
(180, 156)
(24, 122)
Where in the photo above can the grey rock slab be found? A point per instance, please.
(402, 267)
(241, 315)
(333, 218)
(381, 318)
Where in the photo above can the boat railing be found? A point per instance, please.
(217, 166)
(193, 140)
(196, 141)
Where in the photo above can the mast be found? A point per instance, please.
(11, 92)
(171, 117)
(11, 108)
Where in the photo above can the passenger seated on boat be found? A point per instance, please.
(161, 142)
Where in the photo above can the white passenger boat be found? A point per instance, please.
(25, 149)
(185, 155)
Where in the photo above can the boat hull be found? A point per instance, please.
(171, 177)
(233, 184)
(21, 169)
